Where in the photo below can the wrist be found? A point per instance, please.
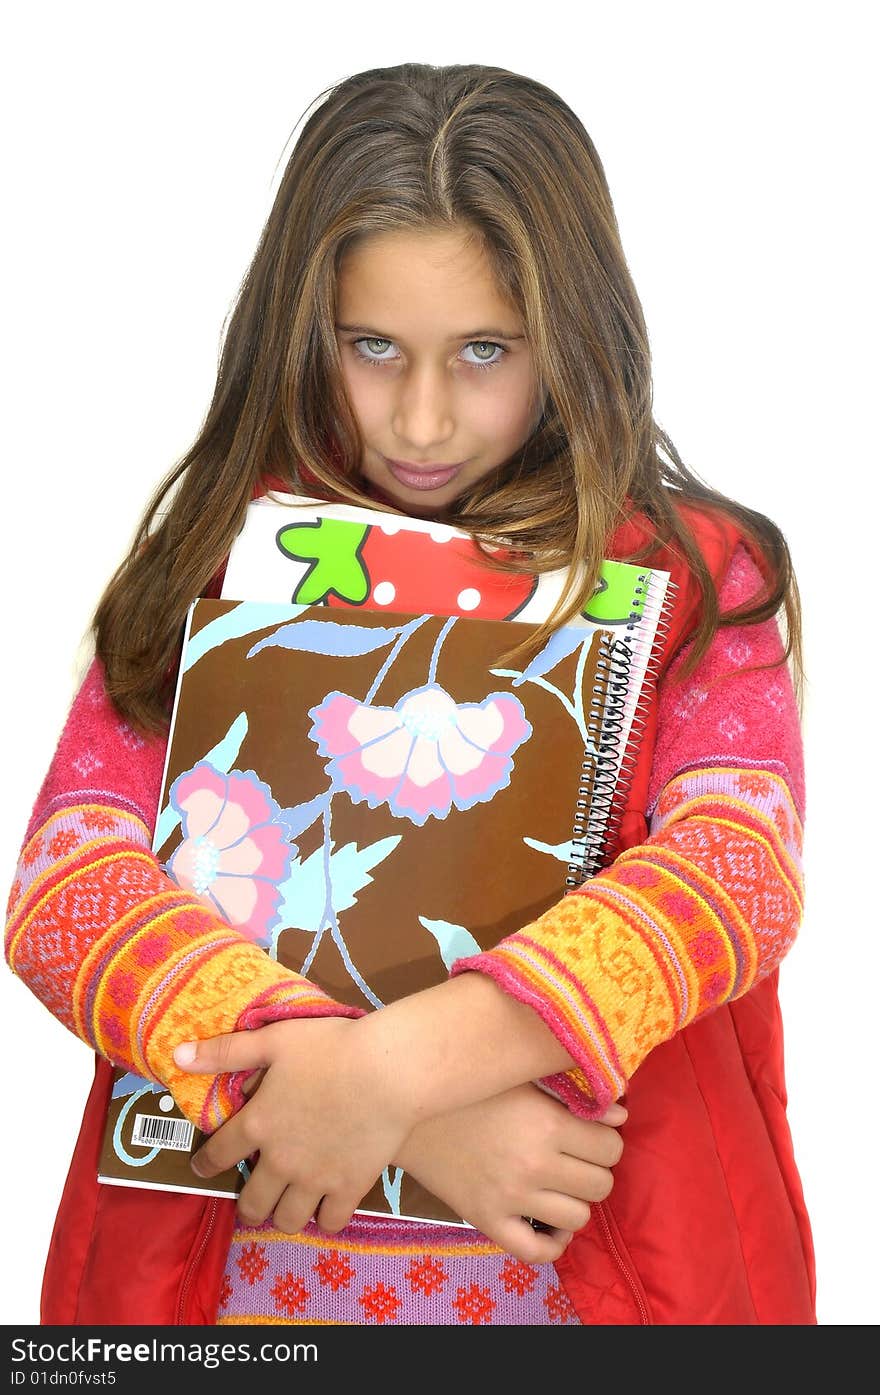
(381, 1057)
(411, 1150)
(454, 1044)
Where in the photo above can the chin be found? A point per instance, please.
(417, 507)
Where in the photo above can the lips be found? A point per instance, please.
(425, 478)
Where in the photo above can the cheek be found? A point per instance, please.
(510, 414)
(364, 401)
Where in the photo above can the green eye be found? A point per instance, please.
(479, 344)
(371, 354)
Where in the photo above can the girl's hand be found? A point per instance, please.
(518, 1154)
(325, 1120)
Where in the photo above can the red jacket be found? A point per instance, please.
(707, 1139)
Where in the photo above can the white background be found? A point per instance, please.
(142, 149)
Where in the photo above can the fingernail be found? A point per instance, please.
(185, 1053)
(196, 1166)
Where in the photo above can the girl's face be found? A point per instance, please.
(436, 366)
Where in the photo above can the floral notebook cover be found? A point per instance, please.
(369, 795)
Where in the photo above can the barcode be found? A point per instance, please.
(158, 1131)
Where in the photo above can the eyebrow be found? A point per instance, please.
(467, 334)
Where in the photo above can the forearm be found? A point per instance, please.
(126, 959)
(655, 942)
(461, 1041)
(678, 926)
(702, 910)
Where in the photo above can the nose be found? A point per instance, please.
(423, 413)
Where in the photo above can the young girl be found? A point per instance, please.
(439, 320)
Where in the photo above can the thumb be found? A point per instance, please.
(230, 1052)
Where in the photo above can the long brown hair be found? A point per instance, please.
(418, 146)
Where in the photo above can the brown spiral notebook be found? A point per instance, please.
(369, 796)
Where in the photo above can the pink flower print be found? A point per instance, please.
(152, 952)
(235, 852)
(679, 905)
(123, 988)
(424, 754)
(714, 988)
(635, 874)
(114, 1032)
(705, 950)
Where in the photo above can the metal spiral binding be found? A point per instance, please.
(607, 774)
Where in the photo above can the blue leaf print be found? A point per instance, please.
(326, 637)
(561, 851)
(557, 648)
(301, 816)
(391, 1188)
(453, 941)
(304, 894)
(241, 620)
(129, 1083)
(224, 755)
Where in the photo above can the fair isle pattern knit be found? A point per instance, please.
(112, 946)
(684, 922)
(710, 903)
(674, 928)
(379, 1272)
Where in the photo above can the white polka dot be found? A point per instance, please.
(391, 527)
(441, 532)
(166, 1103)
(468, 599)
(384, 593)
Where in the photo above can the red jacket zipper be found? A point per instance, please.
(598, 1213)
(189, 1272)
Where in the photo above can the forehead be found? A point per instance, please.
(403, 274)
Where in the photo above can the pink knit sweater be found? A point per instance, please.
(133, 963)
